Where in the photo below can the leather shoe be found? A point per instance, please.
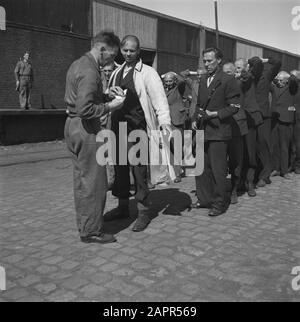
(268, 181)
(214, 212)
(141, 223)
(275, 173)
(177, 180)
(198, 205)
(261, 183)
(117, 214)
(101, 239)
(251, 191)
(287, 176)
(234, 198)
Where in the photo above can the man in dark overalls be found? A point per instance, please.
(24, 81)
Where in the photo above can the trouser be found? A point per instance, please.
(297, 142)
(211, 184)
(24, 93)
(177, 167)
(236, 155)
(90, 179)
(250, 164)
(281, 141)
(264, 148)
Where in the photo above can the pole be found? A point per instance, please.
(216, 21)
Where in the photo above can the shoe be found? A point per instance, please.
(151, 186)
(251, 191)
(275, 173)
(121, 212)
(287, 176)
(141, 223)
(214, 212)
(268, 181)
(198, 205)
(297, 170)
(177, 180)
(101, 239)
(261, 183)
(234, 198)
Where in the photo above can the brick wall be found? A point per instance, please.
(51, 56)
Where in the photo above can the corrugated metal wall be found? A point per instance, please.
(176, 63)
(56, 14)
(125, 22)
(290, 62)
(178, 46)
(267, 53)
(226, 44)
(247, 51)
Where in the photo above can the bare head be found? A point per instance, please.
(130, 49)
(108, 69)
(240, 65)
(170, 80)
(229, 69)
(212, 58)
(282, 78)
(200, 73)
(105, 47)
(26, 56)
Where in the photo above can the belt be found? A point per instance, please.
(26, 75)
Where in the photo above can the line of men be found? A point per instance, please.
(223, 102)
(249, 111)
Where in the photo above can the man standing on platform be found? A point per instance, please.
(24, 81)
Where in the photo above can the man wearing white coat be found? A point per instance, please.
(145, 108)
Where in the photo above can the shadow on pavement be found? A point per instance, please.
(168, 201)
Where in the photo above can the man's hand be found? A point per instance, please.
(194, 125)
(185, 73)
(115, 91)
(264, 60)
(166, 129)
(211, 114)
(116, 104)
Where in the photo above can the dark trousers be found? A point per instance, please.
(121, 187)
(236, 155)
(24, 93)
(250, 164)
(281, 142)
(264, 148)
(297, 142)
(90, 180)
(177, 168)
(211, 184)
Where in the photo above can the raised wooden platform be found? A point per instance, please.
(30, 126)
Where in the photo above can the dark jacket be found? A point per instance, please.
(84, 94)
(223, 91)
(175, 100)
(248, 82)
(24, 71)
(263, 86)
(283, 101)
(239, 124)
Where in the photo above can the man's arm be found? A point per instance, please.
(17, 72)
(232, 96)
(275, 67)
(293, 85)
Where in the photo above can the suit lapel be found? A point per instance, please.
(282, 91)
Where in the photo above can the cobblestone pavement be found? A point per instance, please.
(246, 255)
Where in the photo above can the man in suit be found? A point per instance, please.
(283, 112)
(236, 144)
(218, 100)
(296, 73)
(86, 108)
(264, 129)
(24, 81)
(247, 74)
